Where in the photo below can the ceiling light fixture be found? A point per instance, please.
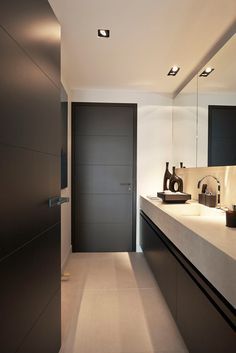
(173, 71)
(206, 72)
(103, 33)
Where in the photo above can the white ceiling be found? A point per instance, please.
(147, 38)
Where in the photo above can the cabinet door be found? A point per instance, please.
(161, 261)
(203, 328)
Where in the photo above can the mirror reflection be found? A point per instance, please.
(217, 110)
(185, 126)
(204, 114)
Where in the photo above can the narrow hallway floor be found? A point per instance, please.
(112, 304)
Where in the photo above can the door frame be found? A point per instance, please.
(73, 156)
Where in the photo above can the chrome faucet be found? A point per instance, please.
(218, 187)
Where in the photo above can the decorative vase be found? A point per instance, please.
(176, 183)
(167, 177)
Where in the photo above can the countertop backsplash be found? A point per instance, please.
(226, 176)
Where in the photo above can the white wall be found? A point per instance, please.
(154, 132)
(66, 207)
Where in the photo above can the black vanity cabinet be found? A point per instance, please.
(206, 321)
(161, 261)
(201, 324)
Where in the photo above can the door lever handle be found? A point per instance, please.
(123, 184)
(57, 201)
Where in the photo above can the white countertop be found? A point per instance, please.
(200, 233)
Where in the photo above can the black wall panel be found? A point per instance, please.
(31, 277)
(35, 28)
(29, 102)
(30, 147)
(28, 179)
(44, 336)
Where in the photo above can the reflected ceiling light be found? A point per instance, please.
(208, 69)
(43, 31)
(206, 72)
(173, 71)
(104, 33)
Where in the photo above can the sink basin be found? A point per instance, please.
(193, 209)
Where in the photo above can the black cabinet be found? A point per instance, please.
(206, 321)
(202, 326)
(161, 261)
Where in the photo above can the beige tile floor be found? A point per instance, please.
(112, 304)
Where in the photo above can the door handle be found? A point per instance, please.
(57, 201)
(126, 184)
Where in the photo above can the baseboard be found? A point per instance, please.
(64, 261)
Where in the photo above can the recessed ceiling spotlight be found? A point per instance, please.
(104, 33)
(206, 72)
(173, 71)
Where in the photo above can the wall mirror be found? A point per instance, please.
(217, 110)
(213, 115)
(185, 125)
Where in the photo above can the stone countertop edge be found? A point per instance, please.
(213, 260)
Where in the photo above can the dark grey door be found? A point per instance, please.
(104, 176)
(30, 144)
(221, 135)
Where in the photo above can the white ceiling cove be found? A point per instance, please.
(147, 38)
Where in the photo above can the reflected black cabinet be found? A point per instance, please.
(205, 322)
